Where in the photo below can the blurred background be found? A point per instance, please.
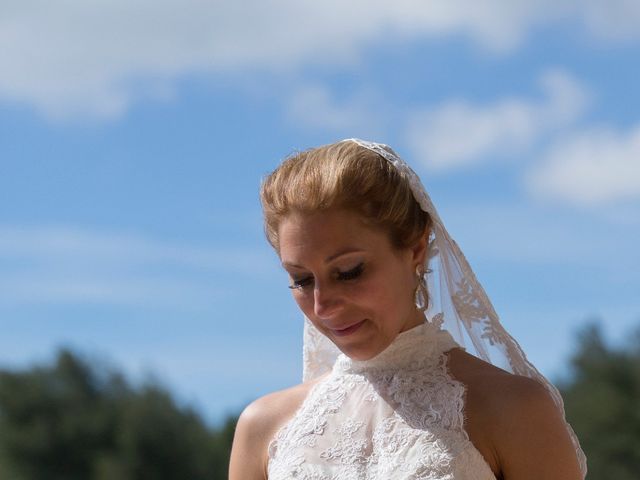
(139, 301)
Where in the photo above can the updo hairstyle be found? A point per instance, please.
(343, 175)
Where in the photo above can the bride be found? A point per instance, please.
(389, 299)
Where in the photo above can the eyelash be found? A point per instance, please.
(342, 276)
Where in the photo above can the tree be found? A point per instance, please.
(72, 421)
(602, 403)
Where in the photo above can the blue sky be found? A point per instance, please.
(134, 136)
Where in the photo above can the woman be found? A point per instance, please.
(388, 393)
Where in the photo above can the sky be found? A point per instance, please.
(134, 137)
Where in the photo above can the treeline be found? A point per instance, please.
(74, 420)
(602, 403)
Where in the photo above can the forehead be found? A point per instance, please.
(326, 233)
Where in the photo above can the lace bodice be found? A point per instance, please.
(397, 416)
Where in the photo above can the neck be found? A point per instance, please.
(417, 318)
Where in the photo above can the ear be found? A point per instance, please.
(419, 250)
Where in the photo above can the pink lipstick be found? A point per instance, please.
(348, 330)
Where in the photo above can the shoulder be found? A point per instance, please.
(499, 393)
(257, 425)
(522, 428)
(531, 436)
(264, 416)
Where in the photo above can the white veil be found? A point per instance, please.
(457, 301)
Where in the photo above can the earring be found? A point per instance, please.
(421, 296)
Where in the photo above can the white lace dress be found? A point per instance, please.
(397, 416)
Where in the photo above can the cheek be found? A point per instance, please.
(394, 294)
(379, 294)
(305, 302)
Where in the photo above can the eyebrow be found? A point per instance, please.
(330, 258)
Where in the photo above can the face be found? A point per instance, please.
(349, 280)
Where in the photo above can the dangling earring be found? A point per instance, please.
(421, 296)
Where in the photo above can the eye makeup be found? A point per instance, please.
(301, 283)
(353, 273)
(346, 275)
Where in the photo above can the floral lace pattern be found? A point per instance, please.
(397, 416)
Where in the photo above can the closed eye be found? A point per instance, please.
(343, 276)
(351, 274)
(301, 283)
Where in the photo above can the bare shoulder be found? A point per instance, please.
(492, 388)
(257, 425)
(514, 421)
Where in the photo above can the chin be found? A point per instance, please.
(358, 351)
(363, 344)
(360, 356)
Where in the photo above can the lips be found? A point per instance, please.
(348, 330)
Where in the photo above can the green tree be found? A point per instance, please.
(74, 421)
(602, 403)
(223, 439)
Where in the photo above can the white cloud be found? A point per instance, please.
(65, 243)
(459, 134)
(70, 57)
(590, 168)
(72, 265)
(315, 107)
(617, 20)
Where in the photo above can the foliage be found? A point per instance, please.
(74, 420)
(602, 403)
(71, 421)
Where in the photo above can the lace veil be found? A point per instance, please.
(457, 302)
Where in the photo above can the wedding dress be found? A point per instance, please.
(396, 416)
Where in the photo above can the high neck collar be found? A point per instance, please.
(414, 346)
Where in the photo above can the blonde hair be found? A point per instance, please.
(343, 175)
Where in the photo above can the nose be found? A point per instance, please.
(326, 300)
